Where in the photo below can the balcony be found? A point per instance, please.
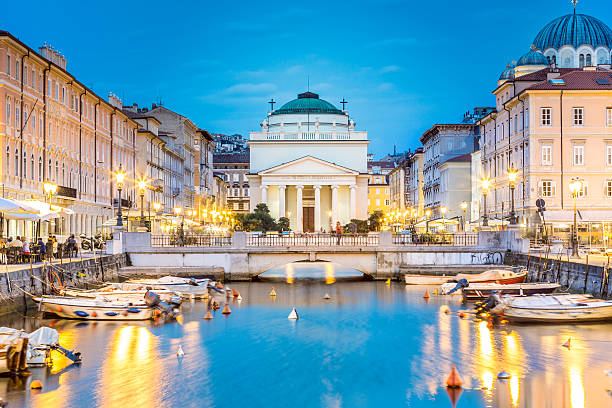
(309, 136)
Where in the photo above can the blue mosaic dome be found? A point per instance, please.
(308, 102)
(507, 74)
(574, 30)
(533, 58)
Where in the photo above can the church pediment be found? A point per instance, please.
(308, 166)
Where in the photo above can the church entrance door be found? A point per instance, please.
(308, 219)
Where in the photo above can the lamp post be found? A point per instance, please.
(142, 186)
(427, 214)
(575, 186)
(485, 184)
(512, 173)
(120, 177)
(50, 189)
(463, 206)
(443, 211)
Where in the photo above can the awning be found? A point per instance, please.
(44, 211)
(567, 216)
(15, 206)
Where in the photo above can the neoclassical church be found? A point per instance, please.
(570, 41)
(308, 163)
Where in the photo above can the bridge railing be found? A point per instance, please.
(190, 240)
(305, 240)
(454, 239)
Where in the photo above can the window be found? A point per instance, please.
(578, 116)
(387, 201)
(378, 202)
(588, 60)
(8, 111)
(527, 118)
(581, 61)
(32, 168)
(579, 155)
(8, 64)
(547, 155)
(546, 117)
(546, 188)
(609, 155)
(8, 159)
(25, 165)
(609, 116)
(16, 162)
(17, 71)
(609, 188)
(377, 192)
(33, 122)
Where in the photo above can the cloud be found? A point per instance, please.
(385, 86)
(264, 88)
(393, 42)
(389, 68)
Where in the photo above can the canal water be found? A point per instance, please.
(369, 345)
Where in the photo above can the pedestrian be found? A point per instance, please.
(42, 248)
(55, 246)
(338, 231)
(17, 243)
(26, 247)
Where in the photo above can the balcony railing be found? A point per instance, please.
(359, 135)
(455, 239)
(305, 240)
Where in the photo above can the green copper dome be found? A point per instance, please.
(308, 102)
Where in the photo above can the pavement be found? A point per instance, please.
(26, 266)
(593, 259)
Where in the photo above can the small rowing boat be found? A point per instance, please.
(187, 287)
(566, 308)
(414, 279)
(501, 276)
(476, 291)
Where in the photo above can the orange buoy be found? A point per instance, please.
(235, 293)
(94, 314)
(462, 314)
(568, 343)
(59, 309)
(226, 309)
(208, 316)
(36, 385)
(454, 380)
(426, 295)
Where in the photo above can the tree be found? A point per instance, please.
(283, 224)
(258, 220)
(376, 220)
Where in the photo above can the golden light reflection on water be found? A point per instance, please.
(289, 273)
(576, 387)
(444, 324)
(130, 373)
(514, 390)
(329, 274)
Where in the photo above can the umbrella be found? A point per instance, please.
(15, 206)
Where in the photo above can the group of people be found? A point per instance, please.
(45, 250)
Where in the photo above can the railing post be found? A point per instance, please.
(239, 240)
(385, 238)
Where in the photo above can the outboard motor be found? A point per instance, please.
(488, 304)
(75, 356)
(151, 298)
(463, 283)
(193, 282)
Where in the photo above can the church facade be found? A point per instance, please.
(309, 164)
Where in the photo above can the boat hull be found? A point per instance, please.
(91, 311)
(578, 314)
(426, 279)
(483, 290)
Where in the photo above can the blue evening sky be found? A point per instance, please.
(402, 65)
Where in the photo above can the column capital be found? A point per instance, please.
(282, 187)
(317, 186)
(353, 186)
(299, 186)
(334, 186)
(264, 187)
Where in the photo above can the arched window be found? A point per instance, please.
(32, 168)
(56, 171)
(40, 168)
(554, 59)
(50, 172)
(581, 61)
(63, 174)
(25, 165)
(17, 162)
(588, 60)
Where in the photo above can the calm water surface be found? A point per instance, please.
(370, 345)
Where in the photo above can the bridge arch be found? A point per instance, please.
(260, 263)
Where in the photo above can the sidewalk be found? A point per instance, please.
(598, 260)
(4, 268)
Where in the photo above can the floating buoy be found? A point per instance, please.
(36, 385)
(426, 295)
(179, 319)
(326, 296)
(388, 281)
(272, 292)
(156, 313)
(180, 352)
(445, 309)
(462, 314)
(226, 309)
(293, 315)
(239, 298)
(454, 380)
(94, 314)
(235, 293)
(59, 309)
(568, 343)
(504, 375)
(435, 292)
(208, 316)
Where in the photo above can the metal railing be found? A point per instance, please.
(455, 239)
(305, 240)
(191, 240)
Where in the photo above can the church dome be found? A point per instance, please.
(507, 74)
(574, 30)
(532, 58)
(308, 102)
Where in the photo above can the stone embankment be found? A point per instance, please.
(577, 275)
(17, 281)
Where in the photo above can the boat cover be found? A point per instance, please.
(8, 335)
(45, 336)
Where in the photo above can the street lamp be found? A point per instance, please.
(120, 177)
(575, 186)
(427, 214)
(50, 189)
(485, 184)
(142, 186)
(463, 206)
(512, 173)
(443, 211)
(156, 208)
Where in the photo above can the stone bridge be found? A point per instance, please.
(379, 258)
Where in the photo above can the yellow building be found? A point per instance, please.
(379, 196)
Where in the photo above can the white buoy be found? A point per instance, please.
(327, 296)
(504, 375)
(180, 352)
(239, 298)
(293, 315)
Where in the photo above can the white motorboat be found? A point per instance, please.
(482, 290)
(95, 309)
(566, 308)
(501, 276)
(111, 293)
(13, 351)
(414, 279)
(187, 287)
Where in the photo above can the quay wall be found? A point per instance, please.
(35, 279)
(577, 276)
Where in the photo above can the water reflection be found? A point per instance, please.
(369, 345)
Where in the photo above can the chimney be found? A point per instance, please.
(114, 100)
(52, 55)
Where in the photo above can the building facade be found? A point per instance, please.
(235, 169)
(455, 189)
(379, 194)
(415, 198)
(54, 128)
(308, 161)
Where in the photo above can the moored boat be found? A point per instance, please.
(501, 276)
(414, 279)
(554, 309)
(187, 287)
(94, 309)
(476, 291)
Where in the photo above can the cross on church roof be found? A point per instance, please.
(343, 102)
(574, 2)
(272, 102)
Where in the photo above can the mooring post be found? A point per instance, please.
(586, 274)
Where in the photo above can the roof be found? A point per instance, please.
(382, 164)
(308, 102)
(242, 157)
(532, 57)
(575, 30)
(578, 80)
(460, 159)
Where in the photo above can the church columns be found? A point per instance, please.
(353, 202)
(281, 201)
(299, 211)
(334, 189)
(317, 208)
(264, 195)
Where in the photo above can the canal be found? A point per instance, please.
(369, 345)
